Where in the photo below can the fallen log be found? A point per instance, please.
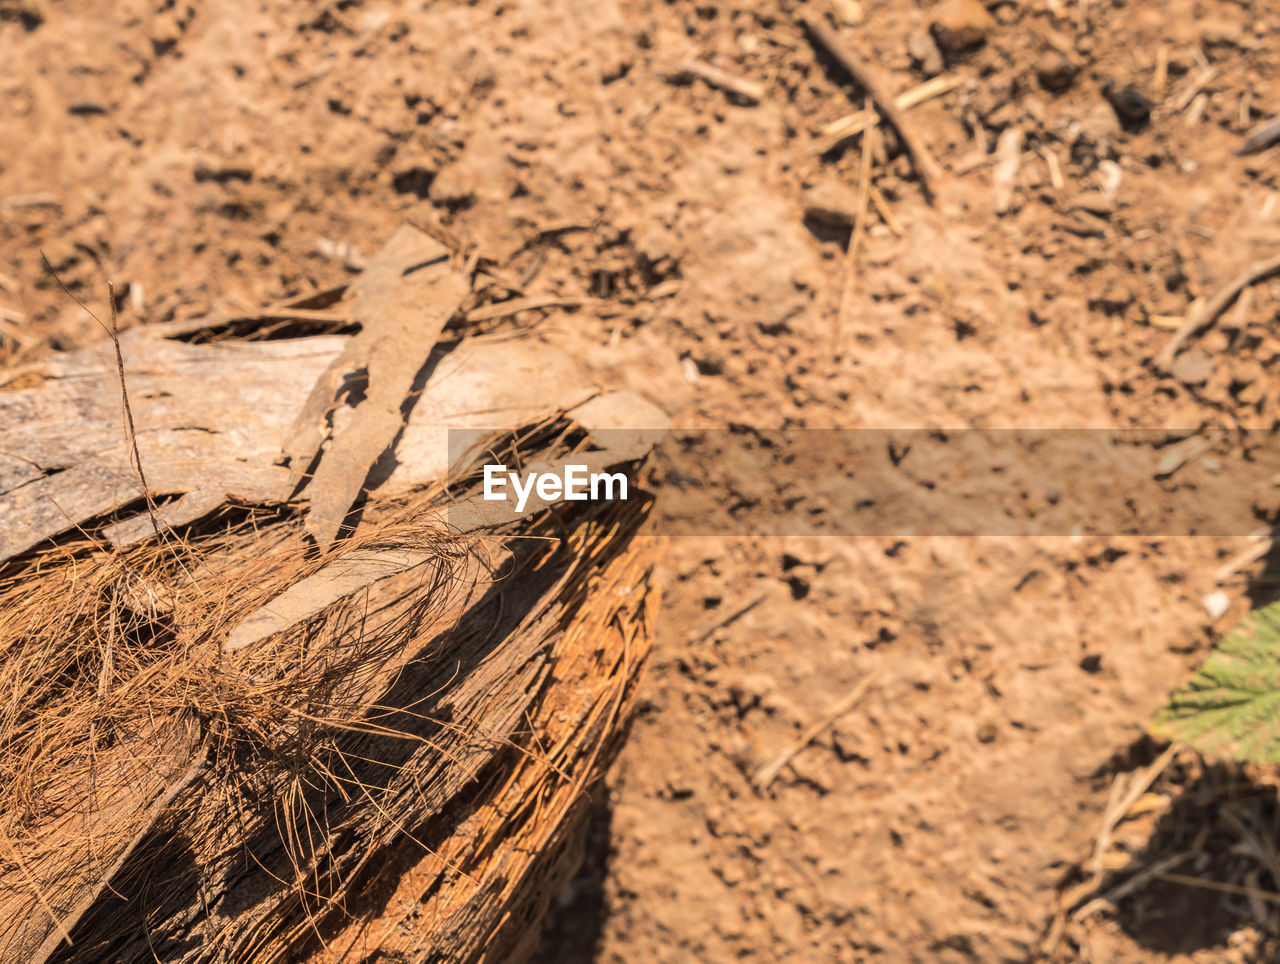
(227, 739)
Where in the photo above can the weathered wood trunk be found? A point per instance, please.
(232, 738)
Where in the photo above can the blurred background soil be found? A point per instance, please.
(215, 157)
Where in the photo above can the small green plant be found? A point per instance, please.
(1230, 709)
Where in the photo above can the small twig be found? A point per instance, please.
(769, 772)
(1161, 75)
(42, 200)
(1127, 887)
(850, 125)
(855, 238)
(1246, 557)
(1196, 111)
(729, 620)
(664, 289)
(317, 315)
(1200, 321)
(131, 433)
(1123, 803)
(926, 167)
(1004, 179)
(883, 207)
(1220, 886)
(1191, 88)
(1055, 168)
(504, 308)
(745, 89)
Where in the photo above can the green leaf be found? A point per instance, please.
(1230, 709)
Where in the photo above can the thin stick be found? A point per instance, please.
(1161, 76)
(855, 238)
(1120, 807)
(135, 458)
(748, 90)
(1193, 87)
(767, 773)
(926, 167)
(1201, 321)
(1219, 886)
(1055, 169)
(504, 308)
(727, 621)
(317, 315)
(1242, 559)
(1127, 887)
(850, 125)
(883, 207)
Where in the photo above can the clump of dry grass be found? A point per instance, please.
(163, 797)
(115, 680)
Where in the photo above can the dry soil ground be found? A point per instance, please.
(218, 156)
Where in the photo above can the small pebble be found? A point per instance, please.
(1132, 107)
(1109, 177)
(960, 25)
(1216, 605)
(925, 53)
(1193, 367)
(690, 370)
(1056, 71)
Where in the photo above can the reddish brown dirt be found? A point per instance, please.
(218, 156)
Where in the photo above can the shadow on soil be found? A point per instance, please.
(571, 933)
(1224, 826)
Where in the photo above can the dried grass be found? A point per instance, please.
(163, 799)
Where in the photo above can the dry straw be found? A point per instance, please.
(430, 737)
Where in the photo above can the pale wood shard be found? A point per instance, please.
(406, 296)
(1004, 179)
(309, 597)
(482, 384)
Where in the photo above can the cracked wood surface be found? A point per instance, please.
(210, 421)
